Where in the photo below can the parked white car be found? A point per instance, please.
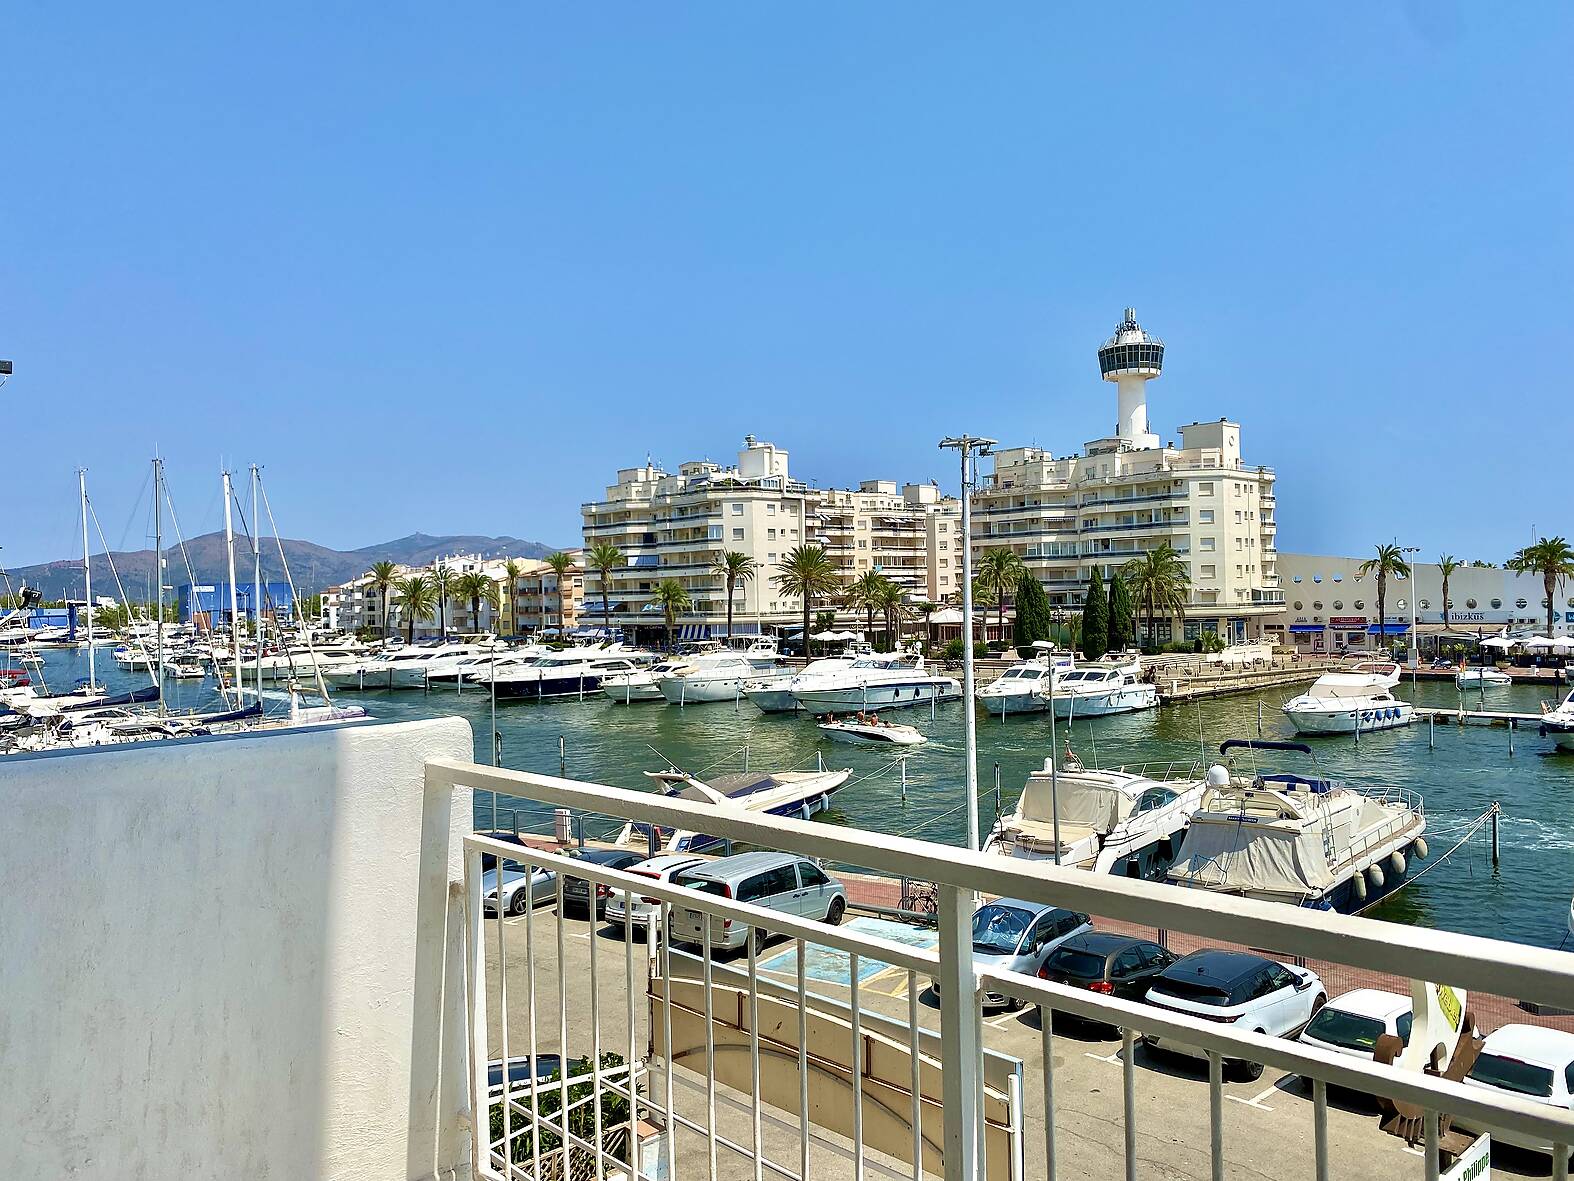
(1352, 1023)
(1251, 992)
(1528, 1062)
(657, 869)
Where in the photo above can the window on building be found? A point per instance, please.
(944, 545)
(770, 510)
(770, 535)
(1205, 544)
(863, 543)
(1205, 516)
(1207, 571)
(737, 534)
(771, 557)
(1237, 516)
(1205, 488)
(737, 509)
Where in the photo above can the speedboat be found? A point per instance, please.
(573, 672)
(1351, 702)
(799, 794)
(642, 684)
(885, 680)
(185, 668)
(773, 694)
(868, 728)
(1095, 690)
(301, 663)
(1481, 676)
(1126, 820)
(760, 651)
(1307, 841)
(714, 676)
(1020, 689)
(1558, 724)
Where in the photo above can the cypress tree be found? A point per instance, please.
(1121, 627)
(1032, 621)
(1095, 619)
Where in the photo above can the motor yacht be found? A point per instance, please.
(1558, 723)
(715, 676)
(1125, 820)
(1356, 701)
(886, 680)
(472, 670)
(774, 694)
(1304, 840)
(1020, 689)
(798, 794)
(402, 669)
(1095, 690)
(299, 662)
(642, 684)
(573, 672)
(1481, 677)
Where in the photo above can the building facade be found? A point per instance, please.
(1330, 606)
(210, 602)
(679, 525)
(1124, 495)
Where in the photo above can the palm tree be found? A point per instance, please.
(673, 597)
(806, 573)
(604, 558)
(999, 571)
(476, 587)
(1447, 564)
(443, 581)
(1160, 581)
(891, 599)
(417, 598)
(561, 564)
(863, 594)
(384, 575)
(735, 567)
(1554, 561)
(924, 610)
(513, 571)
(1389, 562)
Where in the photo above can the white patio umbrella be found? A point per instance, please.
(1502, 642)
(826, 636)
(1563, 645)
(1538, 643)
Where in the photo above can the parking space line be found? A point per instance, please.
(1113, 1059)
(1256, 1100)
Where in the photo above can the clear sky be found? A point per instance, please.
(446, 267)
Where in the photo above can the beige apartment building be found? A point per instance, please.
(678, 525)
(1126, 494)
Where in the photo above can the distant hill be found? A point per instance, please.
(313, 566)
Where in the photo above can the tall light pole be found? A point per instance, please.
(1415, 640)
(969, 446)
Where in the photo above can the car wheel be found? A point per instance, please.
(519, 903)
(759, 937)
(1246, 1072)
(834, 915)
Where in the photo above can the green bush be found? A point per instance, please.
(581, 1117)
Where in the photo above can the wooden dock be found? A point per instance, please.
(1476, 717)
(1190, 684)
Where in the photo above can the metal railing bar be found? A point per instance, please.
(595, 1029)
(857, 1062)
(1216, 1114)
(530, 996)
(509, 1170)
(915, 1059)
(1433, 1156)
(1128, 1071)
(1470, 962)
(754, 1048)
(1320, 1127)
(628, 994)
(1426, 1091)
(562, 1021)
(666, 1032)
(1047, 1030)
(803, 1059)
(710, 1051)
(475, 990)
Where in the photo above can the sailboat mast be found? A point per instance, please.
(256, 574)
(158, 572)
(87, 590)
(229, 549)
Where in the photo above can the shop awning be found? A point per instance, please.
(1301, 629)
(1388, 629)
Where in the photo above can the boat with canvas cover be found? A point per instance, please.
(799, 794)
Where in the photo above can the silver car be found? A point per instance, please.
(1016, 936)
(516, 898)
(779, 881)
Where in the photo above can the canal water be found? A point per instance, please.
(1525, 899)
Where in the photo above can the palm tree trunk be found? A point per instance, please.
(806, 625)
(606, 611)
(729, 605)
(1549, 579)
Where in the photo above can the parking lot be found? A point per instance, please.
(1267, 1123)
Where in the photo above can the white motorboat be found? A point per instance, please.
(573, 672)
(887, 680)
(1302, 840)
(1352, 702)
(1126, 820)
(869, 729)
(185, 668)
(403, 669)
(1558, 723)
(298, 663)
(1096, 690)
(798, 794)
(1481, 677)
(642, 684)
(714, 676)
(760, 651)
(1020, 689)
(773, 694)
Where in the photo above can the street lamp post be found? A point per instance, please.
(969, 447)
(1415, 640)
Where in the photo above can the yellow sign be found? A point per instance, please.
(1448, 1002)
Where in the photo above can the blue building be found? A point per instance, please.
(212, 599)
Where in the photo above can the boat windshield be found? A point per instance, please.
(1030, 674)
(998, 930)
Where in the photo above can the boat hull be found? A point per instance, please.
(999, 704)
(774, 700)
(872, 736)
(1387, 717)
(580, 685)
(895, 695)
(1125, 700)
(626, 694)
(684, 691)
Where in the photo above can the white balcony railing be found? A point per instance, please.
(742, 1069)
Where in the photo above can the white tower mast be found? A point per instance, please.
(1131, 358)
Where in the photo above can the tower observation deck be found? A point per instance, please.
(1132, 358)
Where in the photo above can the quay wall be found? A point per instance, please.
(235, 956)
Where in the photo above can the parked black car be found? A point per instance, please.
(1115, 965)
(576, 891)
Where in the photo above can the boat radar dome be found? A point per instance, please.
(1132, 358)
(1218, 776)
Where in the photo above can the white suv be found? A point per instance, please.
(1248, 991)
(658, 869)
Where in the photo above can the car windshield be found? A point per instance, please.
(1348, 1030)
(704, 885)
(1073, 961)
(1511, 1074)
(999, 929)
(1201, 991)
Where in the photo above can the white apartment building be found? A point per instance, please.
(1126, 494)
(1331, 606)
(678, 525)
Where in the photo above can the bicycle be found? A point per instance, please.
(919, 898)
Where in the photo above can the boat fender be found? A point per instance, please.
(1396, 862)
(1375, 874)
(1419, 849)
(1359, 883)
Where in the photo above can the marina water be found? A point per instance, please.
(1525, 899)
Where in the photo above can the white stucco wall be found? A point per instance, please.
(234, 957)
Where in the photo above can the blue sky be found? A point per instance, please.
(447, 267)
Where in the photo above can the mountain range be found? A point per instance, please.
(312, 566)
